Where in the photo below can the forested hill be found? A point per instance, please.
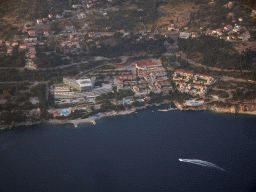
(27, 9)
(249, 3)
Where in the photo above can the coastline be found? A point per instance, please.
(26, 123)
(93, 119)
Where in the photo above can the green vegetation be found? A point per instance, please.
(9, 117)
(40, 91)
(247, 76)
(56, 27)
(222, 104)
(117, 95)
(130, 46)
(17, 59)
(7, 75)
(13, 88)
(216, 53)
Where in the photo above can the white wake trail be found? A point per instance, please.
(202, 163)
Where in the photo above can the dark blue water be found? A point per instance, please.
(138, 152)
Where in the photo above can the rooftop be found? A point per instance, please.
(84, 82)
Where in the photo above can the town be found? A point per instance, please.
(118, 68)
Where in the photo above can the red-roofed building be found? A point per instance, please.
(15, 43)
(23, 46)
(9, 50)
(39, 21)
(24, 30)
(32, 49)
(88, 40)
(170, 28)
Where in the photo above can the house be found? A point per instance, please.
(241, 37)
(151, 36)
(194, 35)
(88, 40)
(236, 29)
(122, 31)
(230, 4)
(253, 14)
(41, 43)
(31, 31)
(50, 16)
(76, 6)
(170, 27)
(15, 43)
(180, 84)
(184, 35)
(89, 5)
(7, 43)
(9, 50)
(228, 28)
(32, 55)
(32, 34)
(91, 34)
(24, 31)
(39, 21)
(32, 49)
(69, 27)
(247, 36)
(118, 81)
(22, 46)
(230, 37)
(240, 19)
(46, 33)
(231, 14)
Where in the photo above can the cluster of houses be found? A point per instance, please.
(151, 75)
(194, 84)
(229, 32)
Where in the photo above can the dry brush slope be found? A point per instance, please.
(170, 11)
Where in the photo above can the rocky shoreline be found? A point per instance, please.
(92, 119)
(26, 123)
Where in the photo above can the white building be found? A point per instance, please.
(185, 35)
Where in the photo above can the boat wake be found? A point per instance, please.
(202, 163)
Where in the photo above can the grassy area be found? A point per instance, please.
(176, 13)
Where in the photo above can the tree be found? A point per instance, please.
(6, 94)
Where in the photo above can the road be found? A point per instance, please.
(225, 78)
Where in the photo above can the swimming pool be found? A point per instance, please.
(125, 101)
(194, 102)
(65, 112)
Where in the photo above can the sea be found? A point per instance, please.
(136, 152)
